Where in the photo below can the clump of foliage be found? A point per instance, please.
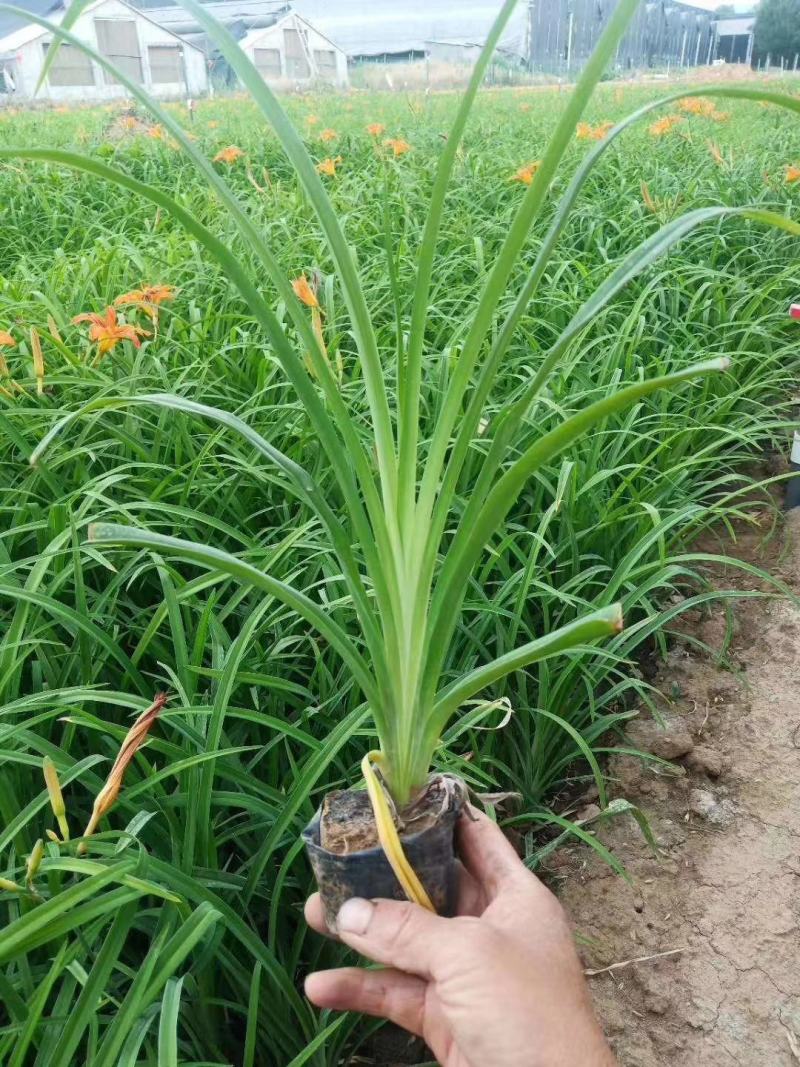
(179, 934)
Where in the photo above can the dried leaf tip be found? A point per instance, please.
(132, 742)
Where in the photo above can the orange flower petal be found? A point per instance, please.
(228, 155)
(304, 292)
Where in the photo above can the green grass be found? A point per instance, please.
(264, 717)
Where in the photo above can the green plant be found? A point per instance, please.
(87, 636)
(406, 568)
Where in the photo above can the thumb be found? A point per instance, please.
(396, 933)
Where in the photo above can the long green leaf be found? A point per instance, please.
(168, 1023)
(223, 562)
(599, 623)
(410, 377)
(23, 931)
(474, 535)
(304, 485)
(143, 993)
(512, 245)
(343, 256)
(87, 1004)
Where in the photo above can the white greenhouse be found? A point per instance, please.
(142, 49)
(288, 49)
(293, 51)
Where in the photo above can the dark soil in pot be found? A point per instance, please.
(342, 845)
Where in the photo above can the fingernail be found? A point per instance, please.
(354, 916)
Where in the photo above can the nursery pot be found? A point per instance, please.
(365, 872)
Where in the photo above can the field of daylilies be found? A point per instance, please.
(187, 727)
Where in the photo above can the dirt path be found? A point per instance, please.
(725, 889)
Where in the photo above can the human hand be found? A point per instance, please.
(500, 985)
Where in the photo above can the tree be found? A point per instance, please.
(725, 11)
(777, 29)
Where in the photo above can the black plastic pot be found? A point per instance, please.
(368, 874)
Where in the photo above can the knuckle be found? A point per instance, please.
(399, 925)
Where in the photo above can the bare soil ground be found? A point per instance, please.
(723, 894)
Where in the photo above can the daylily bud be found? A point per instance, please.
(34, 860)
(56, 799)
(38, 360)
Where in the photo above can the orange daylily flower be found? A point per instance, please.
(228, 155)
(328, 135)
(397, 145)
(719, 116)
(133, 741)
(107, 332)
(664, 125)
(212, 124)
(584, 131)
(7, 340)
(328, 166)
(792, 173)
(375, 129)
(524, 107)
(158, 133)
(304, 292)
(695, 105)
(525, 174)
(312, 120)
(147, 298)
(600, 131)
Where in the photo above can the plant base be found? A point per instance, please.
(340, 842)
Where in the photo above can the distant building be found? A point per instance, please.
(735, 39)
(293, 51)
(389, 31)
(284, 45)
(551, 36)
(453, 51)
(146, 52)
(666, 33)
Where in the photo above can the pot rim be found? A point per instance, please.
(311, 832)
